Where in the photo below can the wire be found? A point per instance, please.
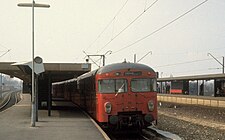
(164, 26)
(144, 56)
(187, 53)
(126, 27)
(2, 46)
(145, 5)
(185, 72)
(106, 27)
(5, 53)
(91, 59)
(113, 28)
(181, 63)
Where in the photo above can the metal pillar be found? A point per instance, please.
(1, 87)
(36, 92)
(103, 60)
(49, 95)
(134, 58)
(223, 64)
(33, 112)
(198, 88)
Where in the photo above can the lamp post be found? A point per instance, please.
(33, 4)
(222, 64)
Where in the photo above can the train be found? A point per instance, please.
(118, 95)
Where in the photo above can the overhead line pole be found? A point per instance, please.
(101, 55)
(97, 55)
(222, 64)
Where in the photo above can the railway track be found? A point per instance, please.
(146, 134)
(9, 99)
(150, 133)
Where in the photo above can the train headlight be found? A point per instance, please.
(151, 105)
(108, 107)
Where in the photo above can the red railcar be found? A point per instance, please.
(66, 90)
(118, 95)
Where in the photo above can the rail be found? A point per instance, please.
(5, 101)
(9, 99)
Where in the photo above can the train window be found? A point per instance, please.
(106, 86)
(143, 85)
(121, 85)
(112, 85)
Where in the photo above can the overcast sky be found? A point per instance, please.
(67, 28)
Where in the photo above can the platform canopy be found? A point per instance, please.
(193, 77)
(58, 71)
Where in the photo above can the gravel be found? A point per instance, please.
(192, 122)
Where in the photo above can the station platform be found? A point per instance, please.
(65, 124)
(192, 100)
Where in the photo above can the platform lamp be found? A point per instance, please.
(33, 4)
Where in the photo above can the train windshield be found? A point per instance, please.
(143, 85)
(112, 86)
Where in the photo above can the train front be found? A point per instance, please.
(126, 95)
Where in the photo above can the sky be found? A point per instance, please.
(175, 46)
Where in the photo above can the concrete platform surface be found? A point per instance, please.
(66, 123)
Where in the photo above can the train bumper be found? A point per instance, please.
(131, 120)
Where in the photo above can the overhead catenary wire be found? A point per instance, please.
(2, 46)
(145, 5)
(127, 26)
(202, 51)
(150, 52)
(162, 27)
(5, 53)
(188, 71)
(181, 63)
(113, 28)
(106, 27)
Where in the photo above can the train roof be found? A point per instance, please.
(88, 74)
(116, 66)
(66, 81)
(124, 65)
